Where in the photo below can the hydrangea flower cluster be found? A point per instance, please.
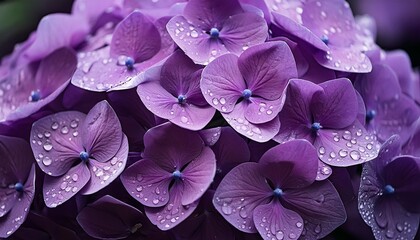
(208, 119)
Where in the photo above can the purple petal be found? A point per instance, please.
(391, 220)
(68, 31)
(242, 31)
(173, 213)
(8, 198)
(403, 173)
(198, 175)
(176, 153)
(56, 69)
(324, 171)
(50, 143)
(298, 31)
(101, 132)
(91, 10)
(337, 106)
(194, 41)
(346, 147)
(117, 219)
(58, 190)
(273, 221)
(17, 215)
(320, 207)
(296, 115)
(261, 111)
(210, 136)
(305, 163)
(257, 132)
(103, 173)
(147, 183)
(267, 69)
(240, 192)
(222, 83)
(211, 13)
(135, 37)
(177, 74)
(344, 59)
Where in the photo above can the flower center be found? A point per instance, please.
(177, 174)
(316, 126)
(325, 39)
(370, 115)
(19, 187)
(247, 93)
(129, 63)
(278, 192)
(214, 32)
(388, 189)
(84, 156)
(182, 99)
(35, 96)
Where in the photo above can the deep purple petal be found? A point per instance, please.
(296, 116)
(103, 173)
(135, 37)
(320, 207)
(239, 193)
(337, 106)
(344, 59)
(346, 147)
(211, 13)
(117, 219)
(273, 221)
(257, 132)
(305, 163)
(102, 134)
(17, 215)
(58, 190)
(261, 111)
(242, 31)
(198, 175)
(147, 183)
(403, 173)
(50, 143)
(222, 83)
(267, 68)
(174, 212)
(176, 153)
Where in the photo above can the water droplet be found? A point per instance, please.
(321, 150)
(74, 189)
(317, 229)
(74, 124)
(280, 235)
(48, 147)
(355, 155)
(243, 213)
(399, 227)
(63, 185)
(54, 126)
(184, 119)
(389, 234)
(226, 209)
(155, 201)
(292, 235)
(298, 224)
(342, 153)
(64, 130)
(47, 161)
(75, 177)
(194, 34)
(215, 101)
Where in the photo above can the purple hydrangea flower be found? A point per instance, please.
(279, 197)
(30, 88)
(110, 218)
(248, 90)
(388, 110)
(210, 28)
(389, 194)
(136, 45)
(327, 116)
(172, 175)
(173, 93)
(330, 27)
(80, 153)
(17, 183)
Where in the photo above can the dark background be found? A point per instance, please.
(18, 18)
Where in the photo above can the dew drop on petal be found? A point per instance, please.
(355, 155)
(47, 161)
(75, 177)
(279, 235)
(47, 147)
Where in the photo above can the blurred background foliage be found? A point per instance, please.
(398, 22)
